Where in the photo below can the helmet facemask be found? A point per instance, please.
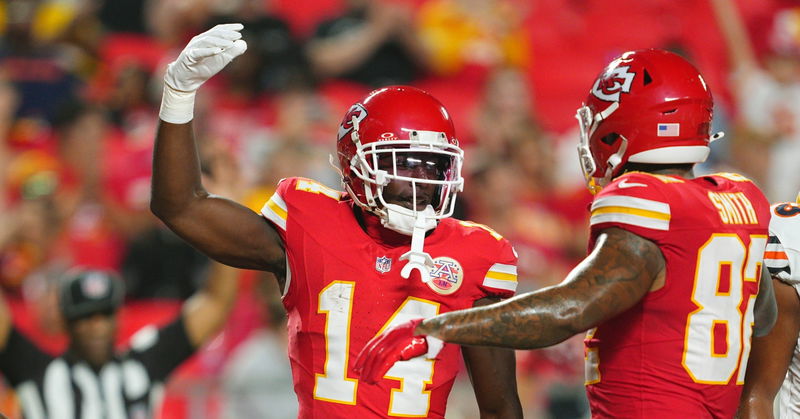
(369, 164)
(588, 122)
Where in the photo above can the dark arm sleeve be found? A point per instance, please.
(21, 360)
(162, 353)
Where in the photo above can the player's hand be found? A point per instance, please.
(398, 343)
(204, 56)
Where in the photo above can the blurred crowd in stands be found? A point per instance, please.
(80, 82)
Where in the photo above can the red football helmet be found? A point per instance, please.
(388, 122)
(647, 106)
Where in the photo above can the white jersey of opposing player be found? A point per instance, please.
(782, 257)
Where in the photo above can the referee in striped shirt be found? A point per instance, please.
(91, 379)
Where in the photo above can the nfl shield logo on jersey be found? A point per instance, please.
(446, 275)
(383, 264)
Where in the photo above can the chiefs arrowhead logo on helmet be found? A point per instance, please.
(617, 81)
(664, 118)
(346, 126)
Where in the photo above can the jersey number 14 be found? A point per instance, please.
(411, 399)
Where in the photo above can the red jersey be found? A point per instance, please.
(343, 287)
(681, 352)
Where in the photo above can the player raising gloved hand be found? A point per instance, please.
(204, 56)
(341, 257)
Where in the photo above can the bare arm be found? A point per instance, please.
(770, 357)
(221, 228)
(338, 55)
(742, 59)
(334, 56)
(765, 309)
(734, 32)
(5, 322)
(8, 105)
(492, 372)
(207, 310)
(615, 276)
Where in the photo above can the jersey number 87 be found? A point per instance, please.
(718, 315)
(717, 333)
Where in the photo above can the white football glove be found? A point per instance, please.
(203, 57)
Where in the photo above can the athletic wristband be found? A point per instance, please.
(176, 107)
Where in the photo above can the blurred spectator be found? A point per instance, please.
(70, 384)
(60, 217)
(464, 35)
(26, 243)
(8, 106)
(122, 82)
(44, 77)
(282, 130)
(255, 389)
(28, 223)
(504, 113)
(374, 43)
(743, 143)
(159, 264)
(767, 95)
(173, 22)
(274, 60)
(515, 187)
(123, 15)
(129, 94)
(551, 381)
(92, 234)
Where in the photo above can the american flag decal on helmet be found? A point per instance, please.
(668, 130)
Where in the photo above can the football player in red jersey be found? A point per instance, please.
(669, 292)
(353, 263)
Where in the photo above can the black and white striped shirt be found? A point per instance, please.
(129, 386)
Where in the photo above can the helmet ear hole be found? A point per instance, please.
(647, 78)
(610, 139)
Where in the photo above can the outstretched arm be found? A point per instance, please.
(615, 276)
(618, 273)
(336, 55)
(5, 322)
(770, 356)
(8, 106)
(207, 310)
(492, 372)
(737, 40)
(221, 228)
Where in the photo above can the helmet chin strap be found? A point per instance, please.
(399, 220)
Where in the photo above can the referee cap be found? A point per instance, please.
(83, 292)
